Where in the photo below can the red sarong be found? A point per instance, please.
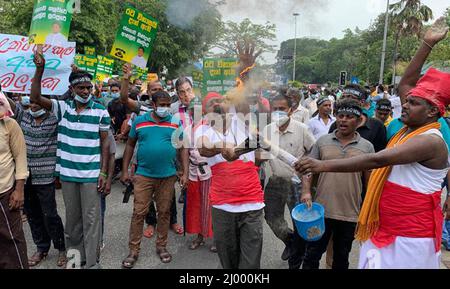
(410, 214)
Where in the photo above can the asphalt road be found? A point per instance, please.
(117, 221)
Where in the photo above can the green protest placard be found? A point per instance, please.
(90, 51)
(197, 77)
(135, 37)
(86, 63)
(51, 22)
(105, 68)
(139, 73)
(219, 75)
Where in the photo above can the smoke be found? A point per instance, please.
(181, 13)
(278, 10)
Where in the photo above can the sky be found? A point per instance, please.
(322, 19)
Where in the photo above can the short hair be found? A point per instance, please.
(79, 74)
(384, 102)
(115, 84)
(160, 94)
(182, 80)
(140, 47)
(358, 88)
(57, 23)
(281, 97)
(348, 103)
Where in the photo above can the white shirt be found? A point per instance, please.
(318, 127)
(236, 134)
(139, 61)
(397, 106)
(56, 39)
(301, 114)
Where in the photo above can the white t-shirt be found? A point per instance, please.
(397, 106)
(235, 135)
(139, 61)
(56, 39)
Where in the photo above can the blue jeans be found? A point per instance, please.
(445, 234)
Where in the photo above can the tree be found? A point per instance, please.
(408, 19)
(97, 23)
(231, 34)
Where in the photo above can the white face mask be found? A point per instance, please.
(162, 111)
(37, 114)
(82, 100)
(280, 117)
(115, 95)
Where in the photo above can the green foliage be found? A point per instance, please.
(97, 23)
(358, 53)
(231, 33)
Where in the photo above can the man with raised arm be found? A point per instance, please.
(400, 223)
(82, 160)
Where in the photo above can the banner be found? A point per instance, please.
(197, 77)
(139, 73)
(105, 67)
(219, 75)
(17, 67)
(90, 51)
(51, 22)
(135, 37)
(86, 63)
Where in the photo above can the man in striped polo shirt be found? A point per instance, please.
(83, 150)
(40, 129)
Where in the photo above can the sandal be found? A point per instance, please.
(130, 261)
(196, 243)
(164, 255)
(37, 258)
(177, 229)
(149, 231)
(62, 259)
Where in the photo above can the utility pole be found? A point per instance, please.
(295, 45)
(383, 53)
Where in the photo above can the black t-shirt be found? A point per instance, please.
(373, 130)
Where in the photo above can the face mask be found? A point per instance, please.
(82, 100)
(115, 95)
(104, 94)
(280, 117)
(37, 114)
(163, 111)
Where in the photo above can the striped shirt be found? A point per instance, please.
(79, 151)
(41, 141)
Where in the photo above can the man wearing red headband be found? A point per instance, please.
(401, 221)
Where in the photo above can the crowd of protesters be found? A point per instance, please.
(340, 135)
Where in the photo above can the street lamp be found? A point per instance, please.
(295, 44)
(383, 53)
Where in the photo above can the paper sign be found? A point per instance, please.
(90, 51)
(86, 63)
(135, 37)
(105, 67)
(219, 75)
(17, 67)
(51, 22)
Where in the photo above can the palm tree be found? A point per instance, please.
(408, 19)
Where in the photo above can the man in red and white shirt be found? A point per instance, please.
(236, 195)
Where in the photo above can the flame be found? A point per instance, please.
(237, 94)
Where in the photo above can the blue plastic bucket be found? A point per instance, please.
(310, 223)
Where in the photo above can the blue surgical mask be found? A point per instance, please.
(104, 94)
(82, 100)
(115, 95)
(163, 111)
(37, 114)
(280, 117)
